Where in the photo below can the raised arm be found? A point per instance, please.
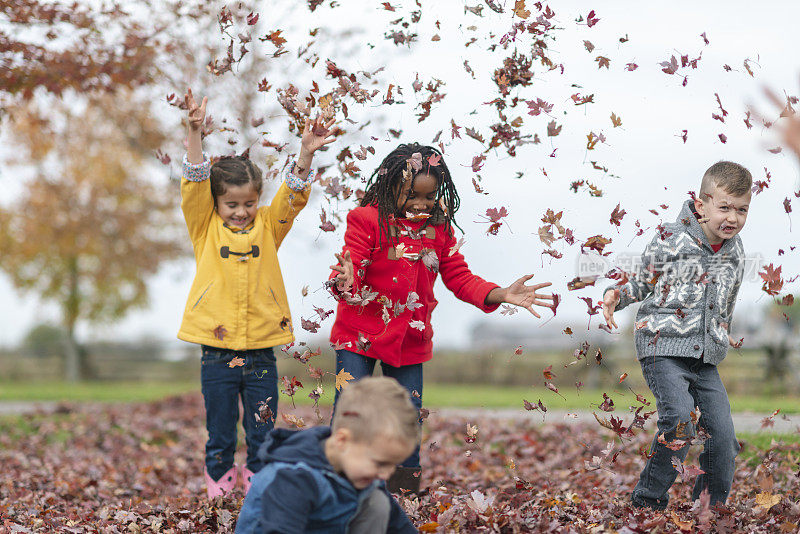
(197, 203)
(293, 193)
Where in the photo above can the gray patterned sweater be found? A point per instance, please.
(687, 292)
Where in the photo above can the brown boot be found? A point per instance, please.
(404, 480)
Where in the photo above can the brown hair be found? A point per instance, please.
(376, 406)
(731, 177)
(236, 170)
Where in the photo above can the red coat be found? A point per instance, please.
(392, 325)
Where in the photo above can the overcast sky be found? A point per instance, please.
(648, 163)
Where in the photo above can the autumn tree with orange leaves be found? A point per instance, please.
(90, 226)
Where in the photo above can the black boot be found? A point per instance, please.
(404, 480)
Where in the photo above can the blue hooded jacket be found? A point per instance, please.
(298, 490)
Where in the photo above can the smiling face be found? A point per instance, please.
(723, 214)
(419, 199)
(363, 462)
(238, 205)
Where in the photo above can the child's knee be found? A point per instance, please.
(373, 514)
(378, 504)
(676, 425)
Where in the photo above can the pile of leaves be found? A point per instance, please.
(139, 468)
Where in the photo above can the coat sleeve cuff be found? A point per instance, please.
(485, 290)
(298, 184)
(196, 172)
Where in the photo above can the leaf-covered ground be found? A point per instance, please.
(138, 468)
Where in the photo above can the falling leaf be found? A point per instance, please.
(342, 378)
(520, 11)
(219, 332)
(455, 248)
(430, 260)
(293, 420)
(767, 500)
(236, 362)
(772, 279)
(616, 216)
(472, 433)
(591, 19)
(548, 372)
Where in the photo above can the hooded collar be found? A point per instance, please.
(293, 446)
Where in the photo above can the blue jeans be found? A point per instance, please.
(679, 385)
(222, 385)
(409, 376)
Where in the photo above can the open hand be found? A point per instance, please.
(197, 114)
(317, 133)
(610, 301)
(344, 280)
(789, 128)
(526, 296)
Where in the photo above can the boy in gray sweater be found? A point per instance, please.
(687, 282)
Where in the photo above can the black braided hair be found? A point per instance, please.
(237, 171)
(385, 184)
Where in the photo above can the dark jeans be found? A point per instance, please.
(409, 376)
(222, 385)
(679, 385)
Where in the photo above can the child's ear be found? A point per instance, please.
(699, 207)
(342, 435)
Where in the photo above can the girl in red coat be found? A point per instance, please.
(396, 243)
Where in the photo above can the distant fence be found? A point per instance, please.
(742, 371)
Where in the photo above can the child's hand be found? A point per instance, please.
(526, 296)
(790, 129)
(735, 344)
(197, 114)
(316, 134)
(610, 301)
(344, 280)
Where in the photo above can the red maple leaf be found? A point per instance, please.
(219, 332)
(617, 215)
(495, 215)
(477, 162)
(671, 66)
(772, 279)
(591, 19)
(290, 386)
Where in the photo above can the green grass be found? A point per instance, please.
(436, 395)
(487, 396)
(93, 391)
(756, 444)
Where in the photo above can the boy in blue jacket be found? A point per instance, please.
(332, 479)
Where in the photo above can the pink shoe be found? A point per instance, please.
(222, 486)
(246, 474)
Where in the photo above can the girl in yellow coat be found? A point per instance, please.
(237, 307)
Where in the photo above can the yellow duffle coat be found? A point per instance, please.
(237, 302)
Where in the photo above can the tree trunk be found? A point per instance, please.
(72, 359)
(73, 366)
